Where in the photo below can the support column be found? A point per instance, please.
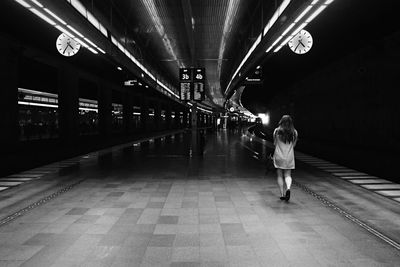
(68, 104)
(168, 118)
(128, 112)
(9, 133)
(105, 98)
(144, 113)
(194, 117)
(157, 116)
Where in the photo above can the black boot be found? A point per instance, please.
(287, 197)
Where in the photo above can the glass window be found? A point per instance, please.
(136, 118)
(88, 116)
(38, 114)
(117, 117)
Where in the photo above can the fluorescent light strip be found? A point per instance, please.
(42, 16)
(288, 29)
(81, 42)
(316, 13)
(229, 16)
(53, 23)
(89, 109)
(36, 104)
(75, 31)
(303, 13)
(308, 20)
(37, 3)
(61, 29)
(92, 50)
(153, 13)
(29, 91)
(55, 16)
(276, 41)
(23, 3)
(270, 23)
(276, 15)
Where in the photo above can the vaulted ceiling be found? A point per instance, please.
(214, 34)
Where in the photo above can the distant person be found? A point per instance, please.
(285, 138)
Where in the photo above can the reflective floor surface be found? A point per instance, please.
(192, 200)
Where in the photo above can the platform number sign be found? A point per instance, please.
(185, 74)
(199, 74)
(191, 81)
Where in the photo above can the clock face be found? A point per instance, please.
(301, 43)
(67, 46)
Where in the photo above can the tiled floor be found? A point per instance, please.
(155, 205)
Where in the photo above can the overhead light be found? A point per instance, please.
(119, 68)
(299, 28)
(288, 29)
(303, 13)
(81, 42)
(276, 41)
(75, 31)
(55, 16)
(258, 67)
(61, 29)
(142, 75)
(59, 23)
(37, 3)
(92, 50)
(42, 16)
(270, 23)
(23, 3)
(276, 15)
(316, 13)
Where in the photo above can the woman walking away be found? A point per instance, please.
(285, 138)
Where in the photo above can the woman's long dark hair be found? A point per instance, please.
(286, 131)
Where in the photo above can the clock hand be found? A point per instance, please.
(297, 46)
(65, 49)
(302, 44)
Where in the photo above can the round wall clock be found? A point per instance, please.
(66, 45)
(301, 43)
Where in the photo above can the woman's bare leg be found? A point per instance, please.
(288, 178)
(279, 175)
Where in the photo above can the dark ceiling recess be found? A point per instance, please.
(343, 28)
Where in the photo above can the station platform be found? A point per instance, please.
(196, 199)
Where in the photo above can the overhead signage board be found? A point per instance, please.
(130, 82)
(192, 84)
(255, 77)
(185, 91)
(198, 91)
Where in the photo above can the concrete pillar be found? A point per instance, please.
(157, 116)
(168, 119)
(177, 122)
(105, 118)
(144, 113)
(9, 133)
(127, 102)
(68, 104)
(194, 117)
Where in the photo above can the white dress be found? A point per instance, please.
(284, 153)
